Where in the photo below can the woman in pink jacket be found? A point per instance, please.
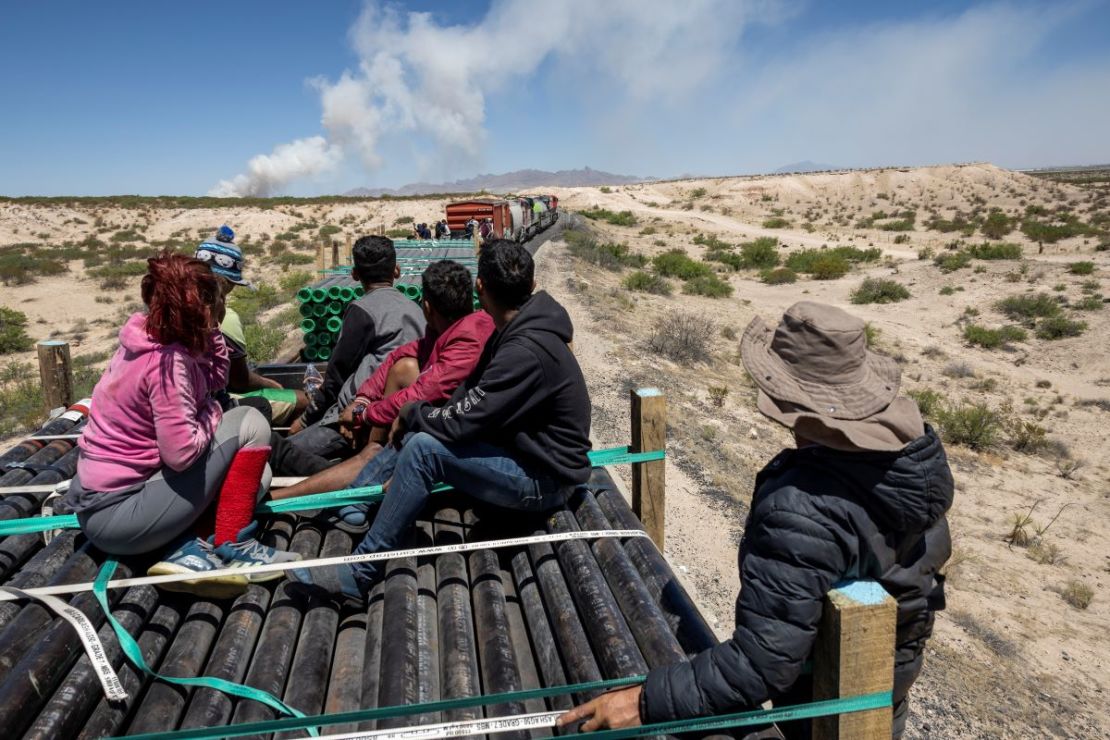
(158, 450)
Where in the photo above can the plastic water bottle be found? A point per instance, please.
(313, 382)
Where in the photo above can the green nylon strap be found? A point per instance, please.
(361, 495)
(801, 711)
(134, 653)
(281, 395)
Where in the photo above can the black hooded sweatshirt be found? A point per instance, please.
(819, 517)
(526, 395)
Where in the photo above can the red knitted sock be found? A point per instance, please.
(236, 502)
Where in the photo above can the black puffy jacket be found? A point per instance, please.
(818, 517)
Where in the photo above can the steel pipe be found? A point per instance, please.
(459, 657)
(543, 641)
(400, 668)
(372, 653)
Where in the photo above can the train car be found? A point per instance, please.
(497, 209)
(518, 218)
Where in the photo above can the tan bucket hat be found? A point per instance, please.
(816, 376)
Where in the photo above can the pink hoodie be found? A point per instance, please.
(152, 407)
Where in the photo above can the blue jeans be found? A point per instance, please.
(480, 470)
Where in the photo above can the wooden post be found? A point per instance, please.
(334, 253)
(649, 432)
(348, 255)
(854, 656)
(320, 256)
(56, 374)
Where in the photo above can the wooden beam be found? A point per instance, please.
(854, 656)
(649, 483)
(348, 253)
(334, 253)
(320, 255)
(56, 374)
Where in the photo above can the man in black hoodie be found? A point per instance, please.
(515, 434)
(863, 496)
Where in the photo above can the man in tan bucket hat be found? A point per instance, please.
(862, 496)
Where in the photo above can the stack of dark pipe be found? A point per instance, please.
(451, 626)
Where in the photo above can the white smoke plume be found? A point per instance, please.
(431, 81)
(268, 173)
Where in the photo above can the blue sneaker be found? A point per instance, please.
(352, 519)
(194, 555)
(247, 551)
(336, 582)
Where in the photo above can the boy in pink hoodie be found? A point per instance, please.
(158, 450)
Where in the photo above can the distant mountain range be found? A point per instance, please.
(519, 180)
(805, 166)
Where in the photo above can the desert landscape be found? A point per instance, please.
(986, 285)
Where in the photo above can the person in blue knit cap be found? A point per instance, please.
(226, 261)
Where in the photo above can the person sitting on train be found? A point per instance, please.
(245, 386)
(515, 434)
(160, 463)
(863, 495)
(443, 231)
(428, 369)
(379, 322)
(471, 225)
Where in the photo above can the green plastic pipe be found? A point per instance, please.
(308, 326)
(323, 354)
(319, 295)
(334, 292)
(304, 295)
(334, 324)
(305, 309)
(311, 354)
(359, 291)
(335, 308)
(319, 310)
(347, 294)
(310, 340)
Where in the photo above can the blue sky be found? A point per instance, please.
(154, 97)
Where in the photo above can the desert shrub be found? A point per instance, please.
(877, 290)
(1077, 594)
(903, 224)
(997, 225)
(1000, 251)
(1027, 436)
(776, 222)
(401, 220)
(128, 235)
(976, 426)
(947, 290)
(958, 369)
(263, 341)
(676, 263)
(1081, 268)
(1059, 327)
(609, 256)
(1027, 307)
(250, 303)
(711, 242)
(779, 276)
(762, 253)
(929, 402)
(399, 233)
(622, 218)
(646, 282)
(697, 193)
(1089, 303)
(285, 260)
(959, 223)
(13, 331)
(993, 338)
(718, 394)
(830, 263)
(21, 264)
(952, 261)
(710, 286)
(20, 406)
(329, 230)
(682, 336)
(647, 231)
(605, 189)
(1050, 233)
(291, 282)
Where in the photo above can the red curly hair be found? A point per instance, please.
(181, 294)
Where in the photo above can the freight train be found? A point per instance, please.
(518, 218)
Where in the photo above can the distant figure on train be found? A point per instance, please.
(443, 231)
(471, 225)
(486, 230)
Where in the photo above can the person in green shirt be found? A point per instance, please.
(226, 261)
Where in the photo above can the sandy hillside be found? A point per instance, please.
(1011, 657)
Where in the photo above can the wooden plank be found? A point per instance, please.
(649, 482)
(854, 656)
(320, 255)
(334, 253)
(56, 374)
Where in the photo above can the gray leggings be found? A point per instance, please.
(149, 517)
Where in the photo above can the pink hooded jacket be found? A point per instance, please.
(152, 407)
